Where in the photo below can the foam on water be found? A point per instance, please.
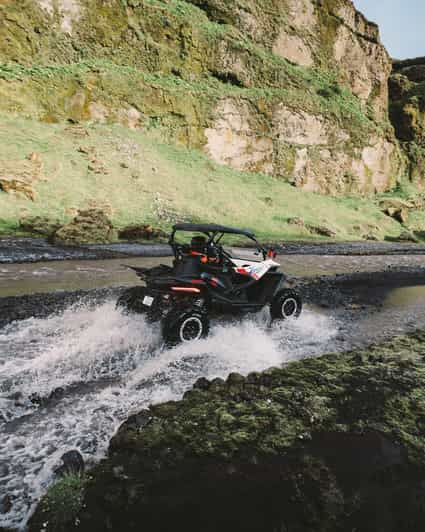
(107, 365)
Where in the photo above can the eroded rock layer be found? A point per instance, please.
(292, 89)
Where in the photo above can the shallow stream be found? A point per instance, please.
(69, 380)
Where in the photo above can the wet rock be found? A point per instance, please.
(5, 504)
(88, 227)
(4, 470)
(216, 385)
(235, 379)
(202, 384)
(141, 232)
(73, 464)
(138, 421)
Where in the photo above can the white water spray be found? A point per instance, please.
(105, 365)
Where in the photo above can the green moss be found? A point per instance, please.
(271, 434)
(62, 503)
(374, 386)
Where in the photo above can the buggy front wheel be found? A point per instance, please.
(286, 304)
(184, 326)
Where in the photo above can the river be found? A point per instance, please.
(69, 379)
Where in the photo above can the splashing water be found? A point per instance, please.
(70, 380)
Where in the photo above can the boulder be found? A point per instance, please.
(401, 215)
(321, 230)
(396, 203)
(72, 464)
(39, 225)
(296, 221)
(91, 226)
(14, 185)
(141, 232)
(408, 236)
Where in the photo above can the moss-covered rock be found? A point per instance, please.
(63, 503)
(91, 226)
(326, 444)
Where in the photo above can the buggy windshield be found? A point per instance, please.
(214, 234)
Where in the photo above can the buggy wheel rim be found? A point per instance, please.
(191, 329)
(289, 307)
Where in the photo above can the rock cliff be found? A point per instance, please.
(407, 111)
(295, 89)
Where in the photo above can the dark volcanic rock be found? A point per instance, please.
(334, 443)
(72, 464)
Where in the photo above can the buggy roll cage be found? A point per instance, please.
(214, 233)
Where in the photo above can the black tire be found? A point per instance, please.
(183, 326)
(286, 304)
(131, 300)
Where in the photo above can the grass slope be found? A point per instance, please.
(137, 178)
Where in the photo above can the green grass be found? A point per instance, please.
(151, 182)
(62, 503)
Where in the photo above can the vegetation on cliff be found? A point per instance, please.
(331, 443)
(407, 111)
(136, 179)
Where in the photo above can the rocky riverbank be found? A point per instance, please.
(26, 249)
(325, 444)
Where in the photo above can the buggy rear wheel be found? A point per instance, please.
(286, 304)
(184, 326)
(131, 300)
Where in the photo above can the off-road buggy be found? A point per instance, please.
(206, 280)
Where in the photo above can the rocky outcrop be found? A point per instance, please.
(18, 177)
(407, 112)
(253, 85)
(324, 444)
(141, 232)
(39, 225)
(91, 226)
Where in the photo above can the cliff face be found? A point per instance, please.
(295, 89)
(407, 110)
